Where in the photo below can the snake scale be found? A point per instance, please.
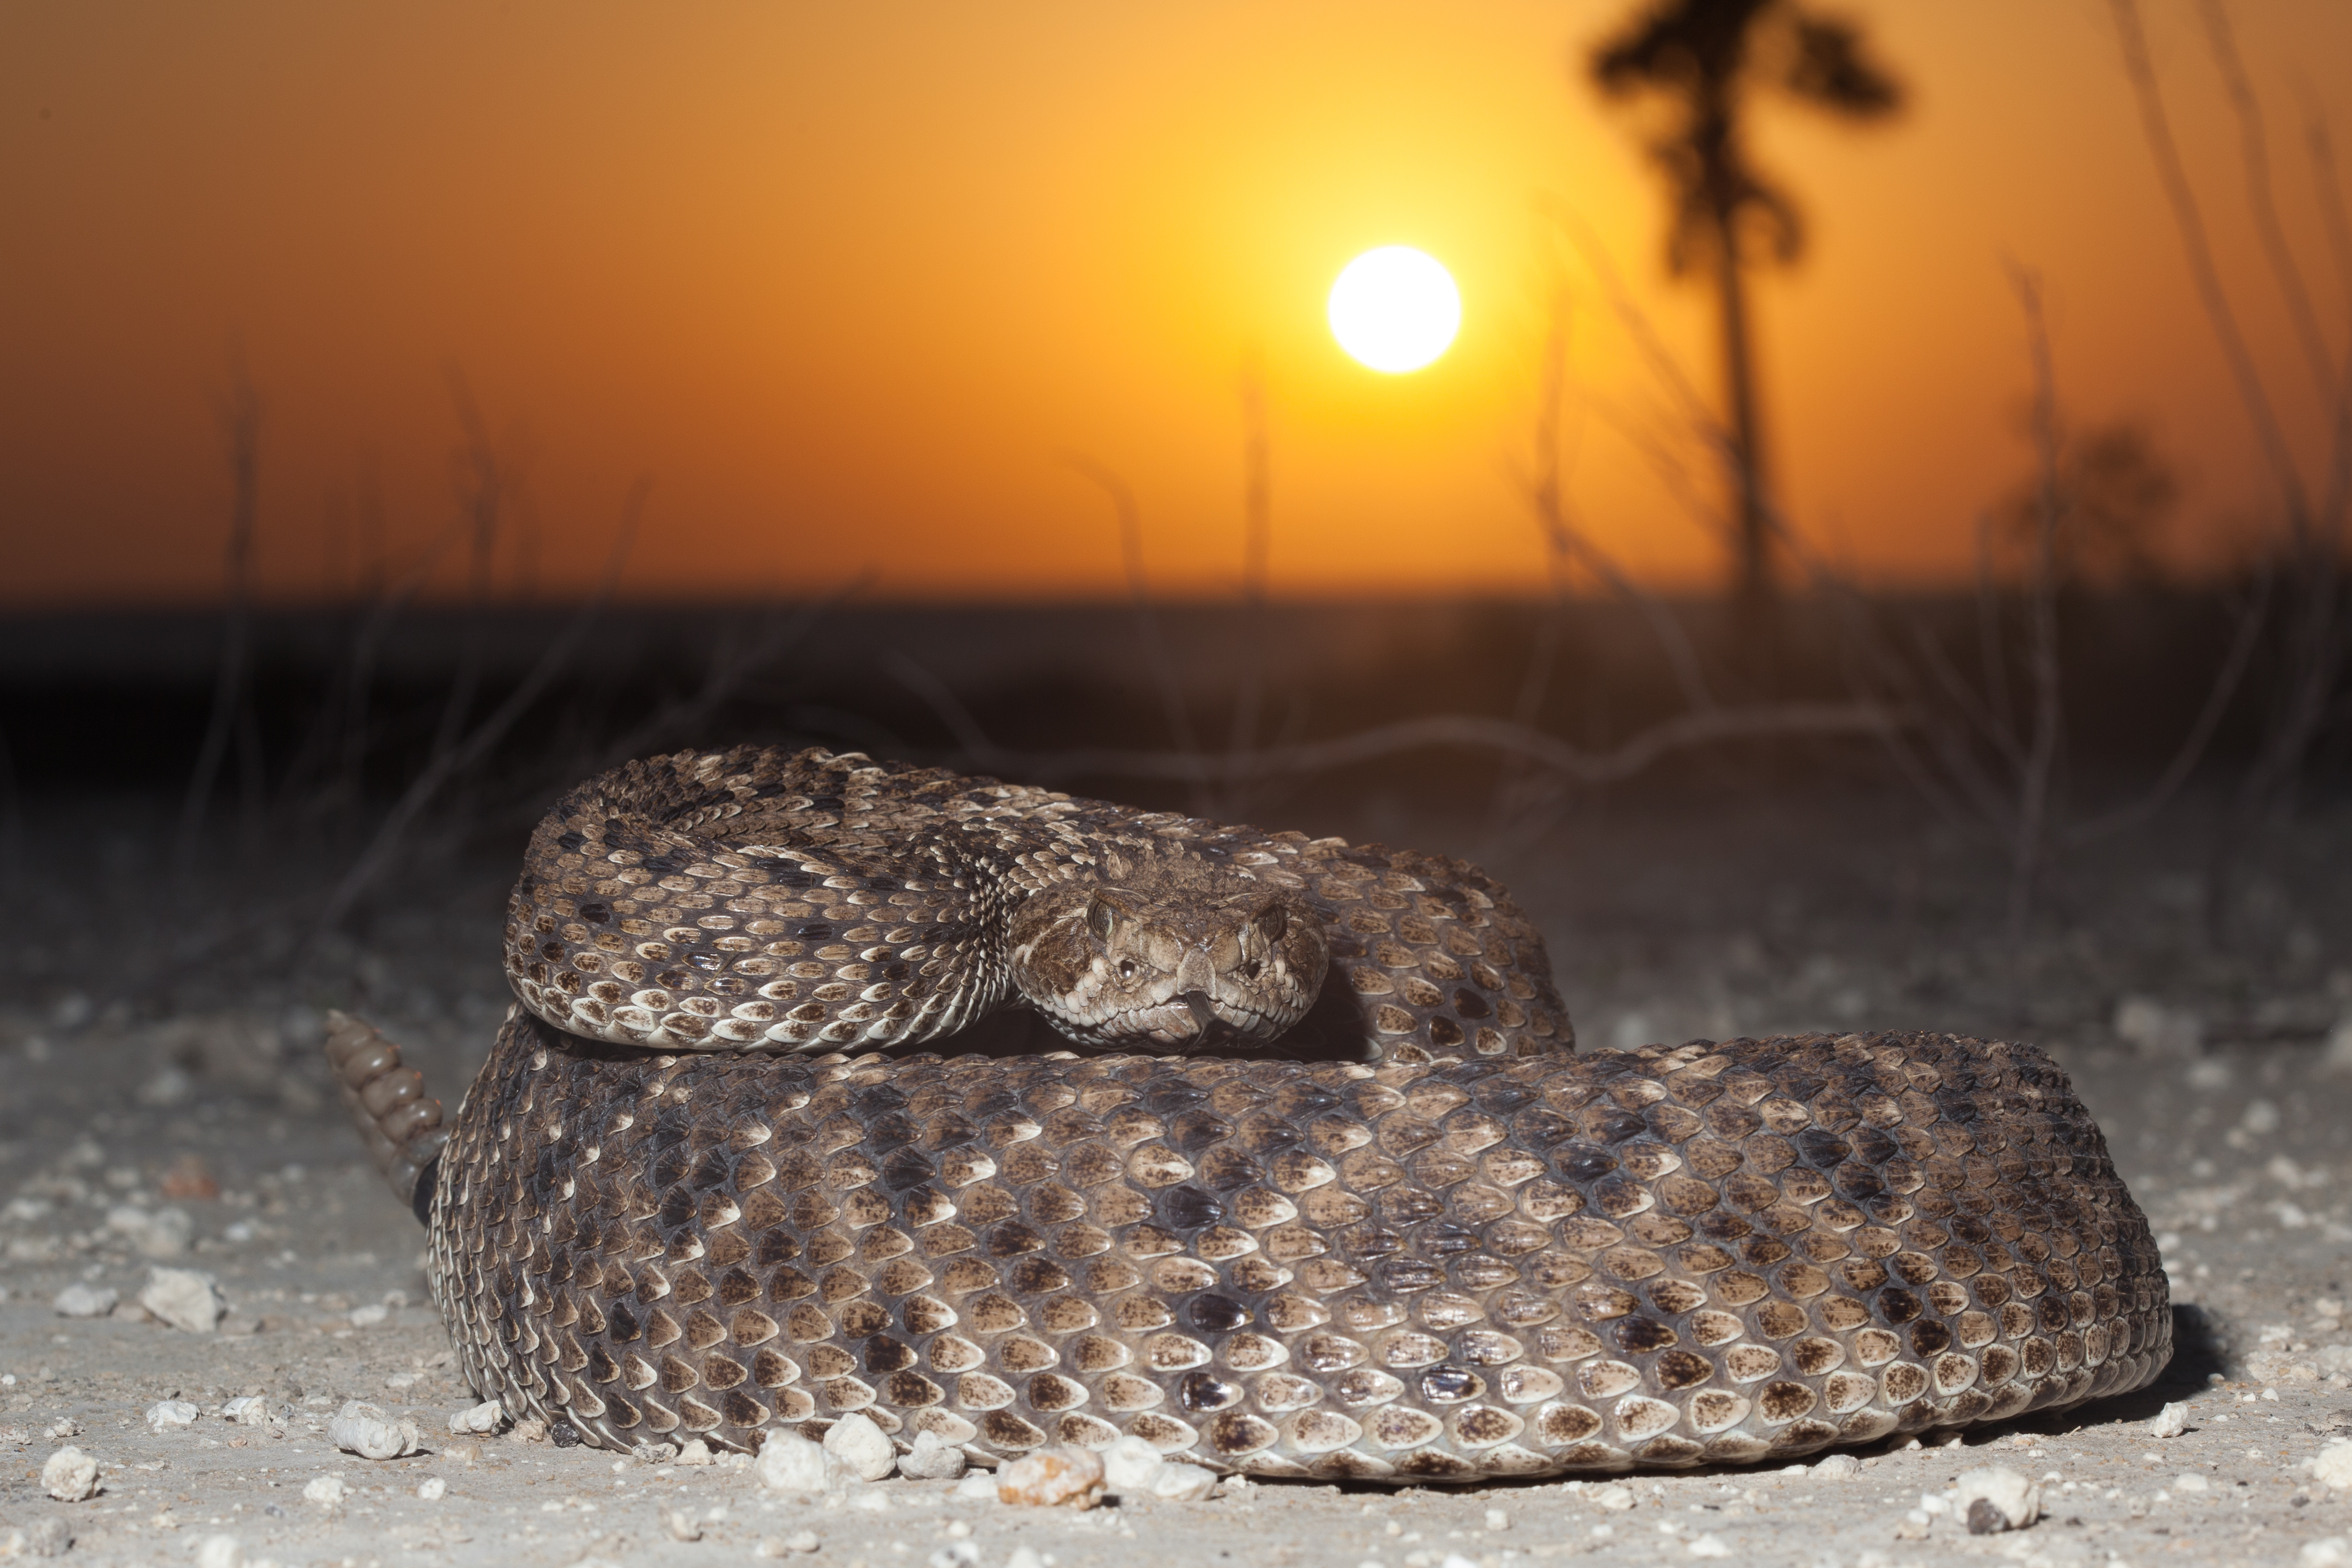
(1421, 1240)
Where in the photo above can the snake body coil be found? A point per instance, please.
(1447, 1250)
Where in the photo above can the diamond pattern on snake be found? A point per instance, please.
(1305, 1178)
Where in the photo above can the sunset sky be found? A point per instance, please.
(850, 285)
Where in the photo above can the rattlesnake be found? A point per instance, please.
(1418, 1240)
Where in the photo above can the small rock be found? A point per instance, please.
(184, 1298)
(171, 1415)
(2334, 1465)
(785, 1545)
(248, 1410)
(487, 1416)
(932, 1458)
(980, 1486)
(432, 1488)
(327, 1492)
(857, 1446)
(70, 1475)
(368, 1316)
(1058, 1476)
(1183, 1483)
(220, 1551)
(1709, 1546)
(694, 1452)
(1837, 1467)
(956, 1554)
(64, 1426)
(1912, 1526)
(2170, 1422)
(463, 1451)
(165, 1232)
(789, 1462)
(873, 1500)
(79, 1301)
(1615, 1499)
(51, 1537)
(364, 1429)
(1497, 1520)
(527, 1429)
(1024, 1557)
(1995, 1498)
(2331, 1551)
(2189, 1481)
(680, 1525)
(1130, 1464)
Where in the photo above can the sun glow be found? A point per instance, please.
(1395, 308)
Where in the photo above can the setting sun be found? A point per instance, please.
(1395, 308)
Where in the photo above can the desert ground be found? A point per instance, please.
(184, 1123)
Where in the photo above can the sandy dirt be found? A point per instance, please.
(199, 1133)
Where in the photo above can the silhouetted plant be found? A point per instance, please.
(1703, 60)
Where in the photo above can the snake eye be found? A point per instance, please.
(1273, 923)
(1100, 918)
(1126, 969)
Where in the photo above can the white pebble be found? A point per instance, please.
(432, 1488)
(1456, 1560)
(873, 1500)
(858, 1446)
(248, 1410)
(70, 1475)
(789, 1462)
(1837, 1467)
(1062, 1476)
(2012, 1501)
(2334, 1465)
(186, 1299)
(171, 1415)
(2189, 1481)
(1709, 1546)
(1024, 1557)
(483, 1418)
(932, 1458)
(368, 1316)
(1615, 1499)
(220, 1551)
(1130, 1464)
(1497, 1520)
(680, 1525)
(694, 1452)
(1183, 1483)
(2170, 1422)
(2330, 1552)
(980, 1486)
(79, 1300)
(327, 1492)
(364, 1429)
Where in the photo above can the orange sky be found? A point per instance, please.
(845, 283)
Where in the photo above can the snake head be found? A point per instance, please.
(1169, 963)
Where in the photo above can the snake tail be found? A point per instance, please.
(398, 1122)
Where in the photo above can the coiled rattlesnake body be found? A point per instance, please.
(1442, 1246)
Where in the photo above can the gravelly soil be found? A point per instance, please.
(2218, 1094)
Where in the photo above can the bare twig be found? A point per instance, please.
(1437, 731)
(1147, 624)
(2041, 758)
(447, 764)
(240, 416)
(2211, 292)
(2254, 149)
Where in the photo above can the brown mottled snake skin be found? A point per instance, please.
(1442, 1248)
